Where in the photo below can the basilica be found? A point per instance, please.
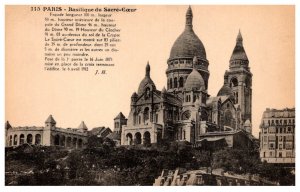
(184, 110)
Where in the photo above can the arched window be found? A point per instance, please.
(147, 138)
(79, 143)
(37, 139)
(15, 139)
(56, 140)
(75, 142)
(234, 82)
(204, 116)
(159, 137)
(227, 118)
(171, 84)
(129, 139)
(29, 139)
(69, 141)
(175, 82)
(22, 139)
(10, 140)
(62, 140)
(181, 82)
(147, 93)
(138, 138)
(146, 114)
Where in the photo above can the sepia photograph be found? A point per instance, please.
(149, 95)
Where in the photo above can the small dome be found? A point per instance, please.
(247, 123)
(134, 95)
(225, 91)
(188, 43)
(194, 81)
(147, 81)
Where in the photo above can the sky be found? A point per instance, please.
(32, 94)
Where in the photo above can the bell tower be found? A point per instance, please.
(239, 79)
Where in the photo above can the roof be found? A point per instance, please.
(50, 120)
(239, 51)
(120, 116)
(211, 100)
(114, 136)
(225, 90)
(7, 125)
(188, 43)
(101, 131)
(211, 139)
(82, 125)
(194, 81)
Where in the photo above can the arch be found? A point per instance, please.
(227, 118)
(146, 114)
(10, 140)
(56, 140)
(129, 138)
(137, 138)
(194, 98)
(79, 143)
(29, 139)
(171, 83)
(204, 116)
(69, 142)
(159, 137)
(75, 142)
(38, 139)
(147, 93)
(175, 82)
(22, 139)
(15, 139)
(234, 82)
(62, 140)
(181, 82)
(147, 138)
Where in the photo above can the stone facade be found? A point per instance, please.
(50, 135)
(277, 136)
(185, 111)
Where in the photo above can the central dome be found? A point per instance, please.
(188, 43)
